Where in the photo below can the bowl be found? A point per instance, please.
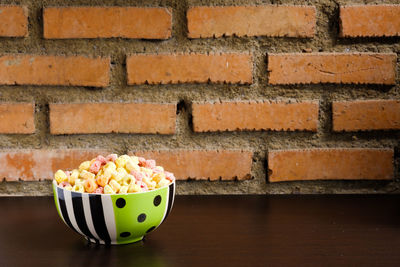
(116, 218)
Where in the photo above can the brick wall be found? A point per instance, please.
(240, 97)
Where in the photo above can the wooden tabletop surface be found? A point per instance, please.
(294, 230)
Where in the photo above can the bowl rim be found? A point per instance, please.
(124, 194)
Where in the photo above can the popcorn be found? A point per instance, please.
(90, 185)
(114, 185)
(99, 190)
(64, 184)
(128, 179)
(115, 175)
(108, 190)
(84, 166)
(79, 182)
(112, 157)
(150, 163)
(162, 183)
(121, 161)
(60, 176)
(133, 188)
(101, 159)
(86, 175)
(78, 188)
(102, 180)
(74, 175)
(123, 189)
(110, 166)
(95, 167)
(157, 177)
(132, 165)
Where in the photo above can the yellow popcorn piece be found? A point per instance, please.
(135, 159)
(102, 180)
(110, 166)
(79, 182)
(133, 188)
(90, 185)
(86, 175)
(119, 174)
(74, 175)
(157, 177)
(107, 174)
(84, 166)
(108, 190)
(122, 171)
(150, 184)
(114, 185)
(132, 165)
(128, 179)
(99, 173)
(123, 189)
(121, 161)
(78, 188)
(147, 171)
(162, 183)
(60, 176)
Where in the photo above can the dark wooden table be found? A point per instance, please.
(218, 231)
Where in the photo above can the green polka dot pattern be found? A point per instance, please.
(135, 214)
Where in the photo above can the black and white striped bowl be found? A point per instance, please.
(117, 218)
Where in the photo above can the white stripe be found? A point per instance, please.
(109, 216)
(58, 201)
(166, 205)
(70, 210)
(173, 197)
(88, 215)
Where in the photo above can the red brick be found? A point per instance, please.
(107, 22)
(13, 21)
(364, 115)
(277, 116)
(112, 118)
(54, 70)
(269, 20)
(330, 164)
(17, 118)
(203, 164)
(358, 68)
(189, 68)
(36, 164)
(370, 20)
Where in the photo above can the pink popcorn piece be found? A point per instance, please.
(170, 176)
(101, 159)
(150, 163)
(142, 161)
(156, 170)
(64, 184)
(111, 157)
(68, 173)
(95, 167)
(138, 175)
(99, 190)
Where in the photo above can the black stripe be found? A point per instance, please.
(80, 214)
(96, 208)
(170, 199)
(63, 208)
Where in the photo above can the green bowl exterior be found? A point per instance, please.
(117, 218)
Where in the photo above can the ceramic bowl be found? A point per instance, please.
(117, 218)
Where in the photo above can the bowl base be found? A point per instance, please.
(132, 240)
